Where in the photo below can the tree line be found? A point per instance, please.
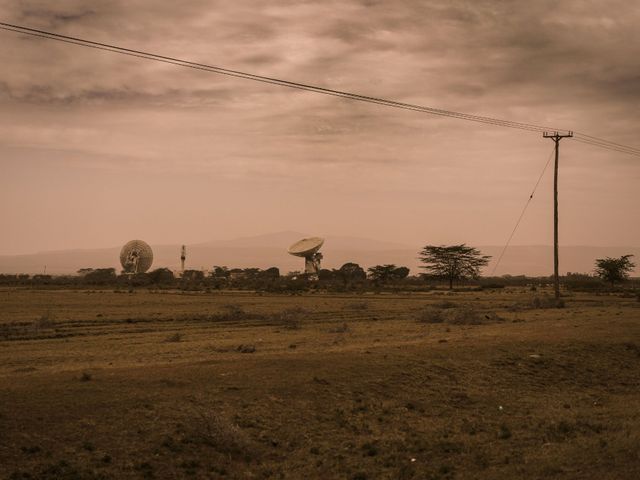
(452, 265)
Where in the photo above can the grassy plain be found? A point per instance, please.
(102, 384)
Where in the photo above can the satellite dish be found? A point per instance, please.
(308, 249)
(136, 257)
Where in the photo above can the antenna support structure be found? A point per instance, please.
(556, 137)
(307, 248)
(183, 257)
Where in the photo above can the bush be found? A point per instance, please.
(546, 301)
(176, 337)
(444, 304)
(431, 315)
(232, 312)
(291, 317)
(215, 430)
(463, 316)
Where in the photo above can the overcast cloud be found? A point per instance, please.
(97, 148)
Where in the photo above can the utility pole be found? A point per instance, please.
(556, 137)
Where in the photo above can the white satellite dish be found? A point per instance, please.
(136, 257)
(308, 249)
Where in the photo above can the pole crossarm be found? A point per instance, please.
(557, 136)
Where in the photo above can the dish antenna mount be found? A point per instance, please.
(136, 257)
(308, 249)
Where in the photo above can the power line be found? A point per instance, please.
(524, 209)
(615, 147)
(594, 141)
(583, 138)
(589, 137)
(270, 80)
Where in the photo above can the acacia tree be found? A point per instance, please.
(453, 262)
(387, 273)
(614, 269)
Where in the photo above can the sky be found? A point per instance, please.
(98, 148)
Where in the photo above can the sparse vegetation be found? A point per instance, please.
(174, 338)
(453, 314)
(342, 328)
(44, 321)
(357, 306)
(248, 348)
(356, 391)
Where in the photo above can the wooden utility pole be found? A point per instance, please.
(556, 137)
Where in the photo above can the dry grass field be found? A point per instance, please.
(165, 385)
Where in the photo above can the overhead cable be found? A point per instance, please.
(587, 139)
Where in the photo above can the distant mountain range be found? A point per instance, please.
(269, 250)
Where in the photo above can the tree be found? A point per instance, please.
(220, 272)
(192, 276)
(251, 273)
(453, 262)
(387, 273)
(161, 276)
(350, 273)
(99, 276)
(401, 273)
(272, 273)
(326, 275)
(614, 269)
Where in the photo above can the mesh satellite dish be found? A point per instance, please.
(308, 249)
(136, 257)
